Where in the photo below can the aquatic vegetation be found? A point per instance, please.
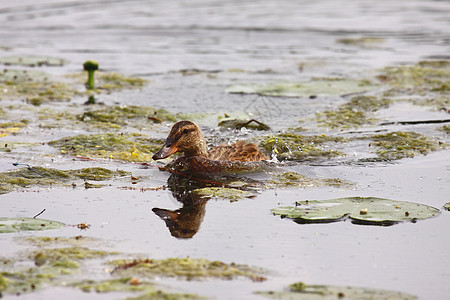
(317, 86)
(43, 241)
(51, 265)
(365, 42)
(117, 116)
(39, 176)
(126, 147)
(300, 290)
(230, 194)
(353, 113)
(238, 124)
(188, 268)
(429, 79)
(445, 128)
(109, 82)
(8, 225)
(90, 67)
(360, 210)
(398, 145)
(36, 87)
(447, 206)
(293, 179)
(148, 290)
(32, 61)
(292, 146)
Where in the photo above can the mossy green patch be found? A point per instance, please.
(44, 241)
(445, 128)
(292, 146)
(35, 86)
(353, 113)
(126, 115)
(74, 253)
(293, 179)
(398, 145)
(428, 81)
(365, 42)
(126, 147)
(110, 82)
(32, 61)
(8, 225)
(238, 124)
(230, 194)
(39, 176)
(317, 86)
(188, 268)
(300, 290)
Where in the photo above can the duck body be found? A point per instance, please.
(187, 138)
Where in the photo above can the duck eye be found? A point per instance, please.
(185, 131)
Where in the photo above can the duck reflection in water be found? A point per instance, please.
(185, 221)
(186, 137)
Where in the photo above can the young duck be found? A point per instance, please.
(187, 138)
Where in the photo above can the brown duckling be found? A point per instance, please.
(187, 138)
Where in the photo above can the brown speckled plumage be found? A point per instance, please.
(187, 138)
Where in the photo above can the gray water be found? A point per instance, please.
(155, 40)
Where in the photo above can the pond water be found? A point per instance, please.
(191, 52)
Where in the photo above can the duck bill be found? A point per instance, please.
(164, 152)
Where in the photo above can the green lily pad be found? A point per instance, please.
(361, 210)
(32, 61)
(321, 86)
(299, 290)
(8, 225)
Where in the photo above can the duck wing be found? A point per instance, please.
(239, 151)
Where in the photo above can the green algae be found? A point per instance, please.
(292, 146)
(447, 206)
(365, 42)
(300, 290)
(148, 290)
(8, 225)
(44, 241)
(35, 86)
(398, 145)
(110, 82)
(354, 113)
(361, 210)
(293, 179)
(238, 124)
(427, 80)
(74, 253)
(39, 176)
(230, 194)
(32, 61)
(188, 268)
(125, 147)
(126, 115)
(317, 86)
(445, 128)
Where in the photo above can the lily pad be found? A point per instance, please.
(321, 86)
(299, 290)
(32, 61)
(8, 225)
(361, 210)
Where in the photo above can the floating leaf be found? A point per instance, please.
(27, 224)
(361, 210)
(321, 86)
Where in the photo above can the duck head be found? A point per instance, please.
(184, 137)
